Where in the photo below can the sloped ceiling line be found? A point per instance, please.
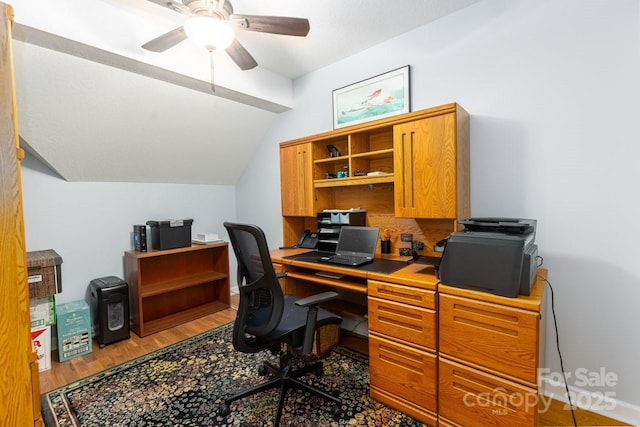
(46, 40)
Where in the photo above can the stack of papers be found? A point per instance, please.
(345, 210)
(206, 238)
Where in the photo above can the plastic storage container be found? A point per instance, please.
(170, 233)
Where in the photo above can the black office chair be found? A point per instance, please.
(268, 319)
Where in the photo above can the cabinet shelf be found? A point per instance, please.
(186, 282)
(160, 324)
(378, 154)
(369, 155)
(354, 180)
(341, 159)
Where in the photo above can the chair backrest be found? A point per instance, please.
(261, 299)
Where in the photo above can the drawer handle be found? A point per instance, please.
(499, 394)
(397, 312)
(486, 313)
(495, 397)
(397, 294)
(483, 325)
(400, 358)
(400, 324)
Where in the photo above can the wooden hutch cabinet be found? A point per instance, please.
(412, 166)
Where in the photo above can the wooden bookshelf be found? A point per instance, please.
(169, 287)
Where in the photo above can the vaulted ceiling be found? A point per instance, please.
(95, 106)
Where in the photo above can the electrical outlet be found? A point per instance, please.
(418, 245)
(405, 251)
(406, 237)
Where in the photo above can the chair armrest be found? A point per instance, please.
(317, 299)
(312, 303)
(281, 275)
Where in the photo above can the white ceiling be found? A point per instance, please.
(89, 110)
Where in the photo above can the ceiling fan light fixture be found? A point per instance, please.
(209, 32)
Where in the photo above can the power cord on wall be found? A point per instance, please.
(555, 325)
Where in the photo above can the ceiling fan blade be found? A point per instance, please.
(241, 56)
(176, 6)
(273, 24)
(166, 41)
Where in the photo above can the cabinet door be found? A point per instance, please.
(425, 168)
(296, 181)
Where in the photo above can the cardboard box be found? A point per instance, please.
(42, 312)
(45, 274)
(41, 338)
(74, 329)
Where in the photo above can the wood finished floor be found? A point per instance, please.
(111, 355)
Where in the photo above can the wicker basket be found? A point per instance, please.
(45, 276)
(327, 337)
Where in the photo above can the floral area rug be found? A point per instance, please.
(180, 385)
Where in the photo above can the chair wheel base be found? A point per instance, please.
(263, 370)
(223, 409)
(336, 411)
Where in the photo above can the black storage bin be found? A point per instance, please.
(110, 309)
(171, 233)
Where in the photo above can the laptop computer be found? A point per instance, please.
(356, 246)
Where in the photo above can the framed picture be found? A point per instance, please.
(378, 97)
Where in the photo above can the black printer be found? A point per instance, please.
(495, 255)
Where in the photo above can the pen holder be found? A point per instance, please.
(385, 246)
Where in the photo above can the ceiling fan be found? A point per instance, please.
(211, 24)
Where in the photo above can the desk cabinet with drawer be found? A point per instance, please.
(402, 348)
(490, 349)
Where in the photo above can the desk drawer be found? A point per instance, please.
(403, 294)
(403, 371)
(472, 397)
(501, 339)
(403, 322)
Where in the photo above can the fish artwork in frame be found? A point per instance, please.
(378, 97)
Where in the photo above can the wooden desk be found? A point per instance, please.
(422, 343)
(401, 311)
(418, 275)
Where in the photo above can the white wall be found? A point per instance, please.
(552, 87)
(90, 225)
